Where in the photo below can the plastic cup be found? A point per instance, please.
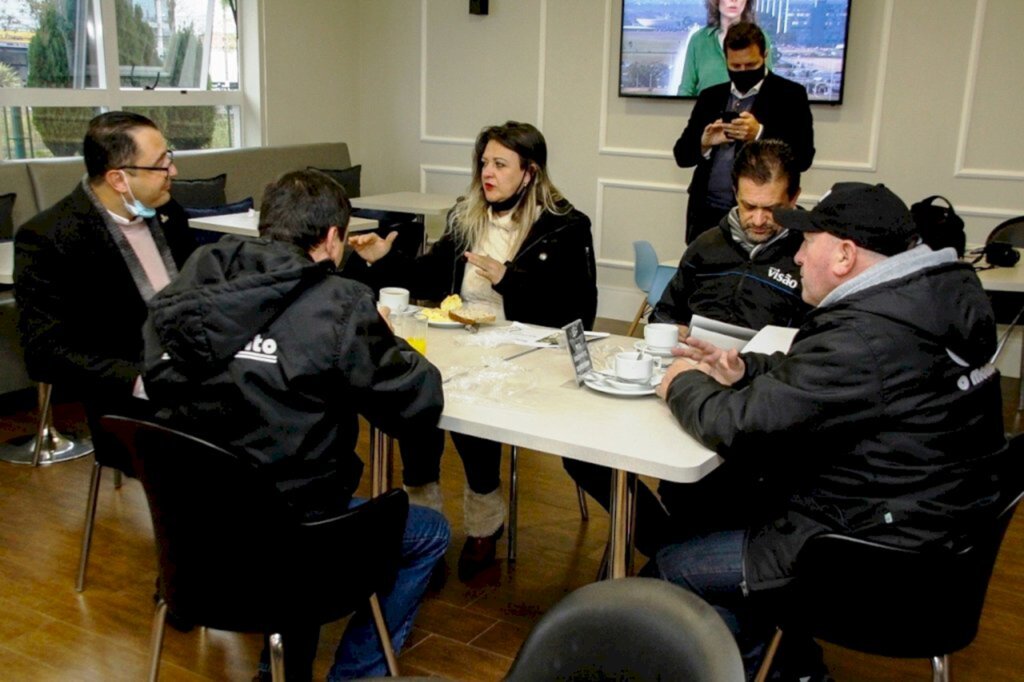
(412, 328)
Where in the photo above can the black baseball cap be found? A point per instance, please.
(871, 216)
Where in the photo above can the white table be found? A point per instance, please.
(6, 262)
(247, 224)
(1010, 280)
(420, 203)
(543, 409)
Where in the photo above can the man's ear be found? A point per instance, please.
(116, 179)
(845, 258)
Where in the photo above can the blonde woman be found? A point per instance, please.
(517, 248)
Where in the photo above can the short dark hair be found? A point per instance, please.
(109, 143)
(765, 161)
(742, 35)
(299, 207)
(715, 16)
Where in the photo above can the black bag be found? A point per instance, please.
(939, 226)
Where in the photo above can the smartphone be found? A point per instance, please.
(729, 116)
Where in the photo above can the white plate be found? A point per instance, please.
(602, 386)
(444, 324)
(655, 350)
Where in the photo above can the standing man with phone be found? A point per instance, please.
(755, 104)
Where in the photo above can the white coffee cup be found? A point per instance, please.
(395, 298)
(633, 368)
(661, 335)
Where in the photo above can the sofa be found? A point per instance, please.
(39, 183)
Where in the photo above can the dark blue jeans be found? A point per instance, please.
(711, 566)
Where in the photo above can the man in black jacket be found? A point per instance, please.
(884, 420)
(764, 106)
(262, 346)
(742, 272)
(85, 267)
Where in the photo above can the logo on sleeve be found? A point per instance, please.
(259, 349)
(783, 278)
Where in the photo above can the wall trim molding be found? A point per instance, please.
(960, 169)
(438, 169)
(602, 185)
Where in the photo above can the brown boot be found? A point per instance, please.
(478, 553)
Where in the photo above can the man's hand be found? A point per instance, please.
(370, 247)
(714, 135)
(725, 367)
(385, 313)
(487, 267)
(743, 129)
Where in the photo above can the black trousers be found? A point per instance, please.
(700, 217)
(481, 458)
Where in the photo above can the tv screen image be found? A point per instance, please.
(806, 43)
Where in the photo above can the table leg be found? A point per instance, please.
(513, 501)
(617, 525)
(381, 450)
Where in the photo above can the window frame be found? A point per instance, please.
(110, 96)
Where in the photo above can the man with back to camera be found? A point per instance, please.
(764, 105)
(262, 346)
(741, 272)
(85, 267)
(884, 420)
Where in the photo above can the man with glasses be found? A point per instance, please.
(85, 267)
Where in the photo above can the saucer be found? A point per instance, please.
(605, 386)
(657, 351)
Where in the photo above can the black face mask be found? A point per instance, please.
(744, 80)
(506, 204)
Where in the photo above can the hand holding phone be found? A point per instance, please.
(729, 116)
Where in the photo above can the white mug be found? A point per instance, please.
(395, 298)
(661, 335)
(633, 368)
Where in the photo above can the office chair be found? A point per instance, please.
(1009, 231)
(650, 277)
(629, 629)
(895, 602)
(233, 557)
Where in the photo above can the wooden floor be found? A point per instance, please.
(463, 632)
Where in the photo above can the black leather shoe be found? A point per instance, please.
(478, 553)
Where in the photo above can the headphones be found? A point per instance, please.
(998, 255)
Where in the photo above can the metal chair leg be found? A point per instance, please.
(581, 497)
(631, 480)
(117, 479)
(90, 518)
(157, 641)
(385, 637)
(766, 664)
(46, 445)
(276, 658)
(513, 502)
(940, 668)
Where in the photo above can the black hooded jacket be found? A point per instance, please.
(883, 421)
(256, 347)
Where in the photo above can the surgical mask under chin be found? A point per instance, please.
(510, 202)
(136, 208)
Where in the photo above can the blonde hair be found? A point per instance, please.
(470, 218)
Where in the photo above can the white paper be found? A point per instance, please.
(734, 330)
(723, 341)
(528, 335)
(771, 339)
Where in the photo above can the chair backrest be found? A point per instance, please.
(896, 602)
(633, 628)
(645, 264)
(233, 557)
(1010, 231)
(662, 276)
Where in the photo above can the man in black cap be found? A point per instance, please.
(884, 420)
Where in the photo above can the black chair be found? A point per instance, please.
(233, 557)
(889, 601)
(1009, 231)
(629, 629)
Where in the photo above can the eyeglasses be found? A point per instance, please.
(162, 169)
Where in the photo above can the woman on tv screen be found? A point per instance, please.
(705, 57)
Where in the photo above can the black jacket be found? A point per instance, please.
(780, 106)
(256, 347)
(81, 311)
(551, 280)
(884, 420)
(717, 278)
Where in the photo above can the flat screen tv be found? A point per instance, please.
(806, 44)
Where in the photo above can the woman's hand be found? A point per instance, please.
(487, 267)
(370, 247)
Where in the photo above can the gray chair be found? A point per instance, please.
(629, 629)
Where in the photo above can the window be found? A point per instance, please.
(64, 61)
